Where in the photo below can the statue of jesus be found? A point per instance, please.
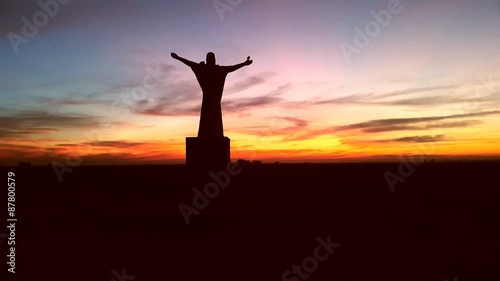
(211, 78)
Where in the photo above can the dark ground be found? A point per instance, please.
(442, 222)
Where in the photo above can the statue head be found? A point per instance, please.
(210, 58)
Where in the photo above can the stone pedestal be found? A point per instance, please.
(205, 154)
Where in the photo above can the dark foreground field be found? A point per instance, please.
(113, 223)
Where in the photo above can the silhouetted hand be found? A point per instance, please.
(249, 61)
(174, 55)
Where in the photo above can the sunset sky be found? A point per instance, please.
(96, 81)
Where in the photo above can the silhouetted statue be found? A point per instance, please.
(211, 78)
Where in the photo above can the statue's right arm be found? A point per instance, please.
(232, 68)
(183, 60)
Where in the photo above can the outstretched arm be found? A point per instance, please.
(183, 60)
(232, 68)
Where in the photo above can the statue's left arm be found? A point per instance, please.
(183, 60)
(232, 68)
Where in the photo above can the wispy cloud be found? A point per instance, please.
(351, 99)
(404, 98)
(22, 132)
(397, 124)
(86, 100)
(417, 90)
(242, 104)
(280, 89)
(181, 98)
(186, 98)
(298, 123)
(422, 101)
(416, 139)
(118, 144)
(92, 152)
(237, 105)
(393, 124)
(31, 122)
(248, 82)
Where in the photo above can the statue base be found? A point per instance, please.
(206, 159)
(205, 154)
